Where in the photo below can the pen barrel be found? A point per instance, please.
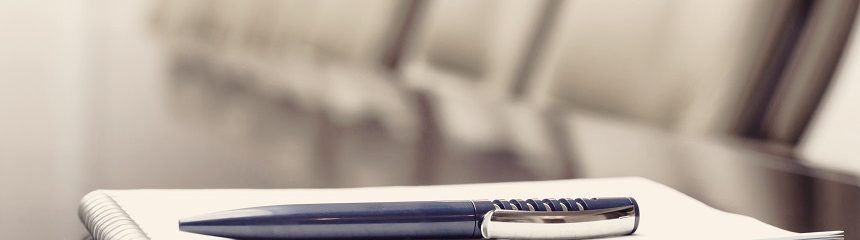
(430, 219)
(503, 218)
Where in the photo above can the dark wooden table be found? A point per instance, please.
(727, 173)
(151, 125)
(139, 144)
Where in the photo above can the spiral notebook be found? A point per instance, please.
(666, 213)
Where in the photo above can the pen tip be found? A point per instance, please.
(214, 223)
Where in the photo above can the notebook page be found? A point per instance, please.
(665, 213)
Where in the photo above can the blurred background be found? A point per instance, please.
(750, 106)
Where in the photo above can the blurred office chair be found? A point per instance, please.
(210, 75)
(367, 121)
(833, 135)
(307, 35)
(228, 52)
(298, 56)
(679, 65)
(287, 40)
(478, 44)
(361, 120)
(464, 60)
(830, 140)
(807, 68)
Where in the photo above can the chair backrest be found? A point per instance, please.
(352, 31)
(356, 31)
(834, 133)
(477, 44)
(300, 39)
(677, 64)
(796, 90)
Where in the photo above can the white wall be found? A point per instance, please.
(43, 110)
(833, 138)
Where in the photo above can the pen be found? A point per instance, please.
(533, 218)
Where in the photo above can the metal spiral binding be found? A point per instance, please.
(105, 219)
(542, 205)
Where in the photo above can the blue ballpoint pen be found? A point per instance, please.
(533, 218)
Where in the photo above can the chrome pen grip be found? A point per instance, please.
(561, 219)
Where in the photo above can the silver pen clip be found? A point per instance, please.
(518, 224)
